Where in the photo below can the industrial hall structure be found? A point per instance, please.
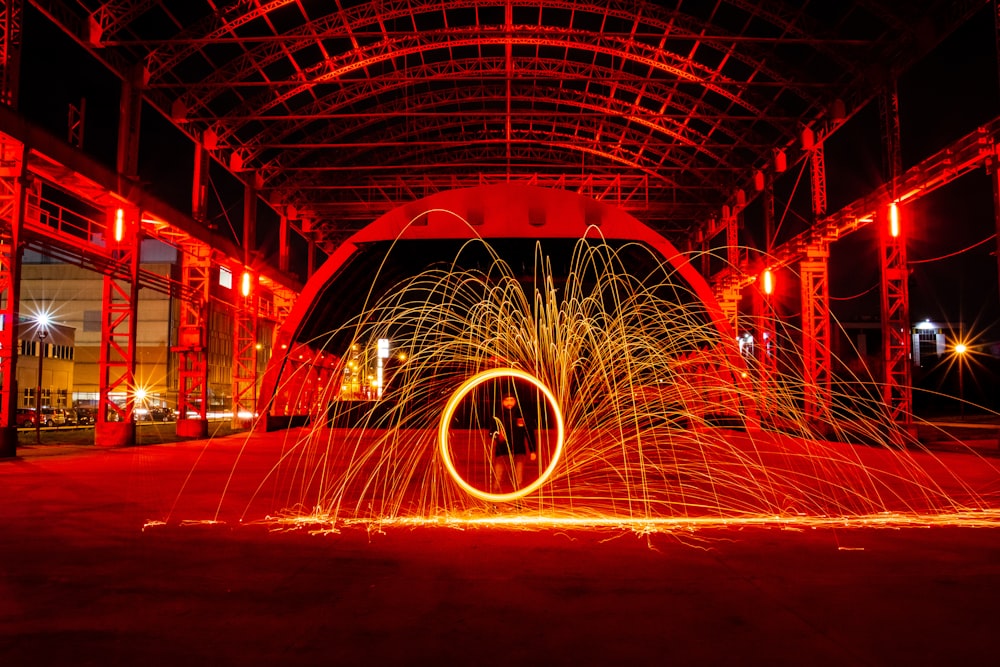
(183, 181)
(499, 332)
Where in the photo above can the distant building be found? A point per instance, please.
(58, 349)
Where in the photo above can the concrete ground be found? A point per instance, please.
(84, 580)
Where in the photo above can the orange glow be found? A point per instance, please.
(449, 412)
(893, 220)
(119, 225)
(246, 283)
(960, 348)
(768, 282)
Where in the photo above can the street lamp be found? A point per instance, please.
(960, 350)
(42, 334)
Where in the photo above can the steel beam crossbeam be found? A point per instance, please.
(964, 155)
(816, 355)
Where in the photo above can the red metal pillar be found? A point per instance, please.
(245, 353)
(192, 337)
(814, 272)
(730, 307)
(767, 350)
(816, 360)
(115, 425)
(994, 169)
(245, 318)
(199, 187)
(130, 112)
(11, 15)
(283, 247)
(13, 186)
(896, 336)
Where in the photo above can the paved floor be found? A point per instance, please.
(83, 583)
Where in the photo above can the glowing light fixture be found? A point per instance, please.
(893, 220)
(119, 225)
(961, 348)
(246, 283)
(449, 412)
(768, 282)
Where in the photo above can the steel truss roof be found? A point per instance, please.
(345, 108)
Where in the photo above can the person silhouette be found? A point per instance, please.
(512, 444)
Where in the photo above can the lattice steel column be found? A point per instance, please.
(115, 425)
(731, 309)
(13, 186)
(817, 180)
(896, 337)
(994, 168)
(245, 354)
(192, 337)
(816, 359)
(11, 16)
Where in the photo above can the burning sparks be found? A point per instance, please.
(642, 413)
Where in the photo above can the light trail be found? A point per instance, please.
(666, 427)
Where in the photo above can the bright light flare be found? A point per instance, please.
(119, 225)
(768, 282)
(444, 427)
(893, 220)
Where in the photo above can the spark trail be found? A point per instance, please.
(665, 422)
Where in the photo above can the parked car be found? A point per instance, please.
(25, 417)
(85, 416)
(70, 417)
(53, 417)
(161, 414)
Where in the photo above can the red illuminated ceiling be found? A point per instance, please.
(346, 109)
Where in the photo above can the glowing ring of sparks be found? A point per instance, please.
(449, 411)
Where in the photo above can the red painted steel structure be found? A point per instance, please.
(815, 289)
(663, 111)
(13, 178)
(11, 26)
(245, 359)
(192, 341)
(500, 211)
(896, 335)
(116, 402)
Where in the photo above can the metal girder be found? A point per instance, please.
(13, 178)
(964, 155)
(477, 103)
(381, 193)
(897, 343)
(118, 327)
(403, 47)
(892, 156)
(816, 354)
(111, 17)
(11, 24)
(245, 360)
(192, 336)
(817, 180)
(360, 23)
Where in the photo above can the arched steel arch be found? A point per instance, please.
(505, 214)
